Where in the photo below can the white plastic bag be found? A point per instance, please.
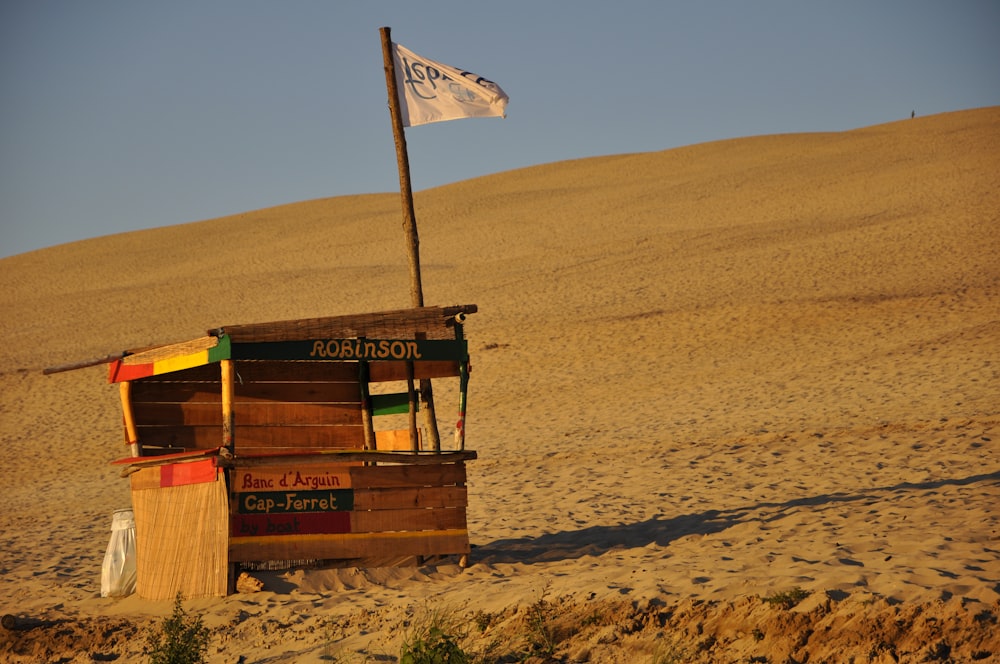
(118, 572)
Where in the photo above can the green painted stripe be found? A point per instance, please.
(369, 350)
(222, 351)
(287, 502)
(391, 404)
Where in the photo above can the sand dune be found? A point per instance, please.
(702, 377)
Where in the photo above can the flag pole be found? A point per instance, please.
(409, 221)
(403, 161)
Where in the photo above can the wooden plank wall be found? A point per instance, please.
(280, 407)
(317, 510)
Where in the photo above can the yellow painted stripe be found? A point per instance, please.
(178, 363)
(347, 537)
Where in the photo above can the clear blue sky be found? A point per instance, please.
(119, 115)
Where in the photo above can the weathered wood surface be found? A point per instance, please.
(379, 457)
(161, 353)
(437, 322)
(264, 413)
(246, 392)
(350, 545)
(322, 511)
(82, 364)
(256, 439)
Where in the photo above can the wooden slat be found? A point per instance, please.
(381, 458)
(408, 476)
(298, 437)
(306, 523)
(380, 521)
(176, 414)
(349, 545)
(395, 440)
(184, 437)
(415, 497)
(342, 436)
(286, 371)
(386, 371)
(146, 461)
(309, 392)
(295, 414)
(158, 392)
(255, 450)
(248, 414)
(249, 371)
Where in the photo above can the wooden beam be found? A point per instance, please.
(379, 457)
(228, 417)
(125, 391)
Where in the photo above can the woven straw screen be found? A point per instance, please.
(181, 540)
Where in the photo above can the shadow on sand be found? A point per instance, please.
(597, 540)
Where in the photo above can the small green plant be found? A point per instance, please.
(483, 620)
(787, 599)
(595, 618)
(181, 639)
(431, 641)
(541, 636)
(669, 654)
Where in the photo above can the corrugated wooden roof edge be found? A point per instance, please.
(395, 324)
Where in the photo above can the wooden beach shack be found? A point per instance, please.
(294, 443)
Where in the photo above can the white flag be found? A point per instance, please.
(433, 92)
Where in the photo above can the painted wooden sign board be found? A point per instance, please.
(336, 511)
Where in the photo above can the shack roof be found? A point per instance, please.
(432, 323)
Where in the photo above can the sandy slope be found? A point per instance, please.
(701, 376)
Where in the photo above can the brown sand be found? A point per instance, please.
(702, 377)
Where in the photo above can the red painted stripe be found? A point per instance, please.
(311, 523)
(119, 372)
(195, 472)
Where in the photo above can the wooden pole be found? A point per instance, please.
(367, 420)
(403, 161)
(107, 359)
(227, 372)
(411, 393)
(125, 391)
(409, 219)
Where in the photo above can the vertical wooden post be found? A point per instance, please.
(430, 415)
(125, 391)
(463, 391)
(367, 419)
(463, 386)
(403, 162)
(411, 394)
(228, 392)
(409, 219)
